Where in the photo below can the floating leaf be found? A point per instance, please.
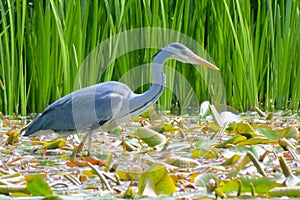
(129, 194)
(193, 176)
(285, 191)
(231, 160)
(77, 163)
(255, 140)
(234, 140)
(162, 127)
(130, 173)
(290, 132)
(150, 113)
(123, 174)
(148, 189)
(37, 186)
(245, 129)
(52, 198)
(240, 164)
(203, 143)
(13, 137)
(261, 185)
(156, 180)
(53, 144)
(205, 153)
(150, 137)
(219, 193)
(182, 162)
(213, 126)
(71, 164)
(89, 173)
(95, 161)
(116, 130)
(269, 133)
(7, 189)
(202, 179)
(31, 176)
(135, 172)
(18, 194)
(127, 146)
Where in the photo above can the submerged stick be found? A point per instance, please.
(101, 176)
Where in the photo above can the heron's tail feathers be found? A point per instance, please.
(31, 128)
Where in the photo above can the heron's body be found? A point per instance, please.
(112, 103)
(108, 104)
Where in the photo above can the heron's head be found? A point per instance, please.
(181, 53)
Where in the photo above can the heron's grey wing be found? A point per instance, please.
(83, 109)
(107, 106)
(57, 116)
(95, 109)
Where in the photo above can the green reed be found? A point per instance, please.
(254, 43)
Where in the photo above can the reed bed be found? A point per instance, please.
(254, 43)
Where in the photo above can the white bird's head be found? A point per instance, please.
(181, 53)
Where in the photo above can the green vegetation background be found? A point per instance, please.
(254, 43)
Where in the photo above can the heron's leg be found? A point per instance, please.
(90, 141)
(78, 151)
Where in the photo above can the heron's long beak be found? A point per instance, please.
(204, 62)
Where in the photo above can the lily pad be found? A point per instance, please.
(150, 137)
(202, 179)
(261, 185)
(269, 133)
(37, 186)
(156, 180)
(234, 140)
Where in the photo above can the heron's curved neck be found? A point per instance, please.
(142, 102)
(158, 76)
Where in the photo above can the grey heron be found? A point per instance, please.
(110, 103)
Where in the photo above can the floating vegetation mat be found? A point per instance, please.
(251, 155)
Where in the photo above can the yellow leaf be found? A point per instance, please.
(255, 140)
(231, 160)
(88, 173)
(31, 176)
(245, 127)
(162, 127)
(234, 140)
(156, 180)
(53, 144)
(129, 194)
(132, 173)
(205, 153)
(13, 138)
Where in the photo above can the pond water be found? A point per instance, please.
(186, 150)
